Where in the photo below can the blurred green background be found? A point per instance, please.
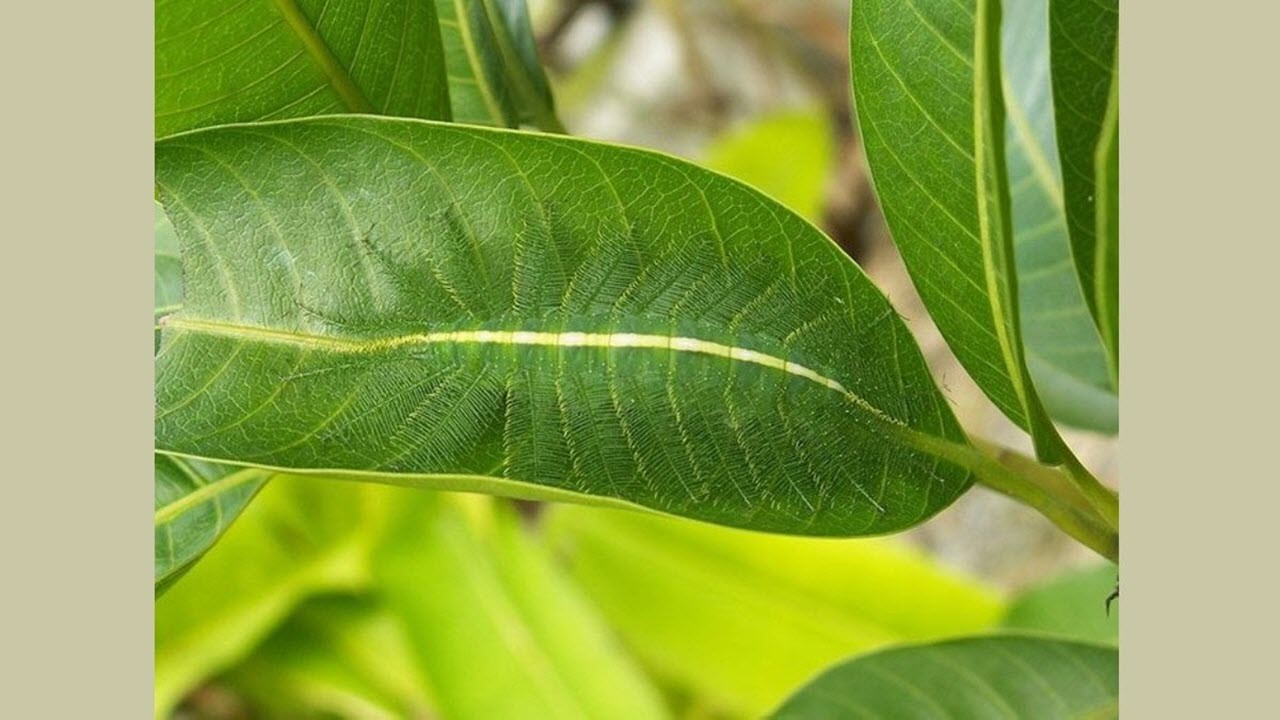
(330, 599)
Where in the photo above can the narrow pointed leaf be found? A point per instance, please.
(474, 309)
(927, 91)
(524, 73)
(1082, 44)
(1106, 278)
(689, 599)
(494, 75)
(1064, 351)
(981, 677)
(506, 635)
(476, 91)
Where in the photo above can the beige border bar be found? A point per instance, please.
(75, 119)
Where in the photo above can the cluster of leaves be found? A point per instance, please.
(362, 281)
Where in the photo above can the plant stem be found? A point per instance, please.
(1054, 492)
(1103, 499)
(1057, 493)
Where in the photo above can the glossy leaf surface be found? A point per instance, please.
(928, 95)
(1106, 278)
(1082, 42)
(738, 619)
(1064, 351)
(221, 62)
(463, 308)
(981, 677)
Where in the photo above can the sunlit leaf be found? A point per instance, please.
(196, 501)
(220, 62)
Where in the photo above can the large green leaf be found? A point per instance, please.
(983, 677)
(1082, 44)
(474, 309)
(927, 89)
(336, 657)
(220, 62)
(498, 630)
(1072, 605)
(301, 536)
(1063, 349)
(787, 155)
(738, 619)
(495, 77)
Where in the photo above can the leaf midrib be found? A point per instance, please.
(612, 340)
(322, 55)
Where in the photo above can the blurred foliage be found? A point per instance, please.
(299, 537)
(1071, 605)
(497, 630)
(739, 619)
(453, 606)
(337, 656)
(787, 155)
